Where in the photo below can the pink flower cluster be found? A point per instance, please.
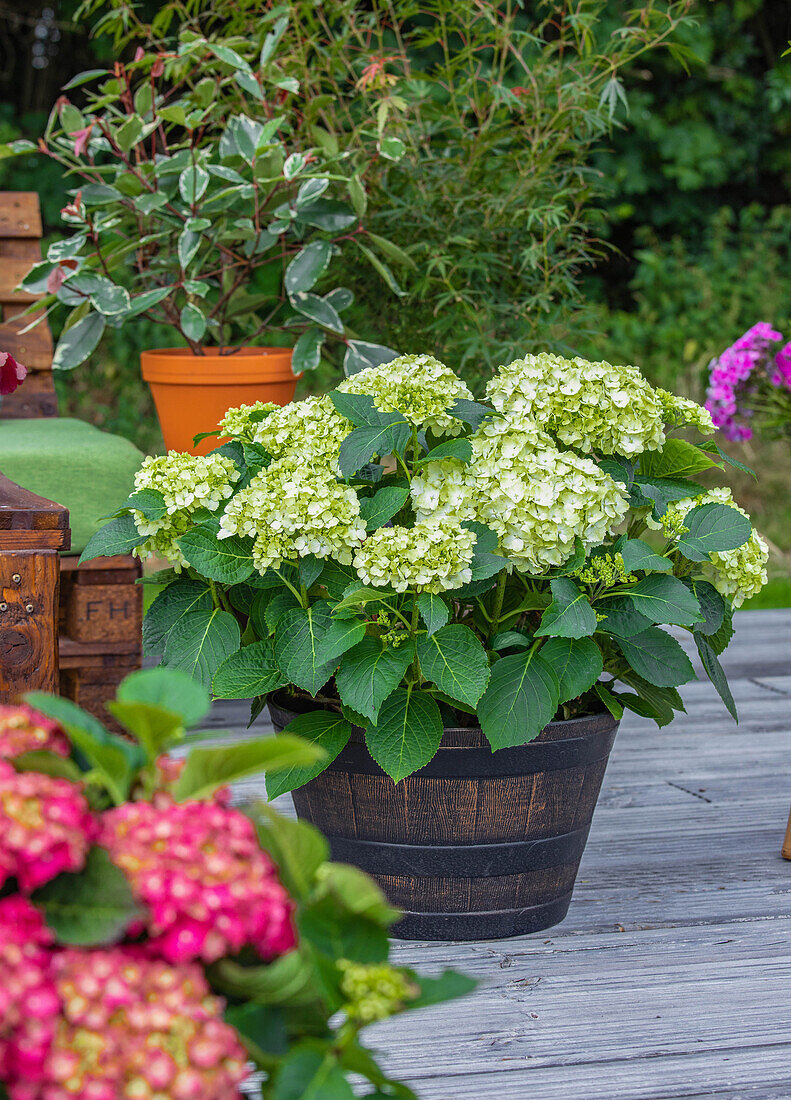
(12, 374)
(23, 729)
(102, 1024)
(734, 375)
(200, 871)
(46, 827)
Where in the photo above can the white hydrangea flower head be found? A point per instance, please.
(243, 421)
(737, 574)
(187, 483)
(435, 557)
(418, 386)
(538, 499)
(312, 429)
(680, 411)
(290, 511)
(588, 406)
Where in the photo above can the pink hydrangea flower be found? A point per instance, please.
(12, 374)
(198, 868)
(29, 1004)
(46, 827)
(23, 729)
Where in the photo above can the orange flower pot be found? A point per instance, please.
(193, 392)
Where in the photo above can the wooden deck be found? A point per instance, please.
(671, 975)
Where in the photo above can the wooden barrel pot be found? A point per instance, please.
(477, 844)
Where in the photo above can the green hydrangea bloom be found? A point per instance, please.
(588, 406)
(418, 386)
(434, 556)
(312, 429)
(290, 511)
(373, 991)
(187, 483)
(680, 411)
(242, 422)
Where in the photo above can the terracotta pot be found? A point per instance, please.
(476, 845)
(193, 392)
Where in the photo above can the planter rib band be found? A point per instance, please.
(476, 844)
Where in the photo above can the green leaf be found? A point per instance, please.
(206, 769)
(78, 342)
(342, 635)
(168, 688)
(327, 214)
(455, 661)
(318, 310)
(111, 300)
(570, 615)
(307, 351)
(297, 639)
(621, 618)
(249, 672)
(381, 268)
(577, 663)
(471, 412)
(657, 657)
(328, 731)
(310, 569)
(511, 639)
(678, 458)
(715, 672)
(228, 560)
(460, 449)
(229, 56)
(721, 638)
(383, 505)
(177, 600)
(406, 733)
(713, 528)
(369, 673)
(712, 605)
(119, 536)
(262, 1029)
(433, 611)
(610, 701)
(91, 908)
(711, 445)
(639, 555)
(83, 78)
(116, 759)
(296, 847)
(200, 641)
(188, 245)
(193, 322)
(274, 610)
(521, 699)
(661, 492)
(361, 354)
(660, 703)
(148, 501)
(289, 981)
(306, 267)
(47, 763)
(447, 986)
(393, 251)
(664, 599)
(310, 1072)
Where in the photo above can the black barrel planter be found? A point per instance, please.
(475, 845)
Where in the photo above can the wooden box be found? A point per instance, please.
(100, 601)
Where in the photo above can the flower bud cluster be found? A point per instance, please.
(208, 887)
(418, 386)
(23, 729)
(373, 991)
(290, 511)
(606, 570)
(45, 827)
(310, 432)
(187, 483)
(435, 557)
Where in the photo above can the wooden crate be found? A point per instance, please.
(90, 675)
(100, 601)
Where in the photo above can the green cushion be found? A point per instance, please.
(89, 472)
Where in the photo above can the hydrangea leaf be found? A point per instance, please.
(621, 618)
(677, 458)
(91, 908)
(200, 641)
(639, 555)
(227, 560)
(383, 505)
(119, 536)
(521, 699)
(369, 673)
(657, 657)
(249, 672)
(177, 600)
(455, 661)
(433, 611)
(712, 528)
(714, 671)
(206, 769)
(570, 614)
(406, 733)
(664, 599)
(322, 728)
(342, 636)
(577, 663)
(298, 635)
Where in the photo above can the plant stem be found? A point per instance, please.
(499, 596)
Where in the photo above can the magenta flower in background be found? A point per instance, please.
(12, 374)
(743, 376)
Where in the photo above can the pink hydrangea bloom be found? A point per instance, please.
(45, 827)
(168, 771)
(198, 868)
(23, 729)
(128, 1026)
(29, 1005)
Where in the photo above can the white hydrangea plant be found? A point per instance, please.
(396, 541)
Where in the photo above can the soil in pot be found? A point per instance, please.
(476, 845)
(193, 392)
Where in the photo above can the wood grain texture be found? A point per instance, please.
(20, 215)
(29, 522)
(669, 977)
(34, 348)
(28, 622)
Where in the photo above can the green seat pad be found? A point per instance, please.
(87, 471)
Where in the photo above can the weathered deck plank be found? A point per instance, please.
(670, 977)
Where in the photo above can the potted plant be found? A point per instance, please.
(194, 205)
(456, 600)
(156, 941)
